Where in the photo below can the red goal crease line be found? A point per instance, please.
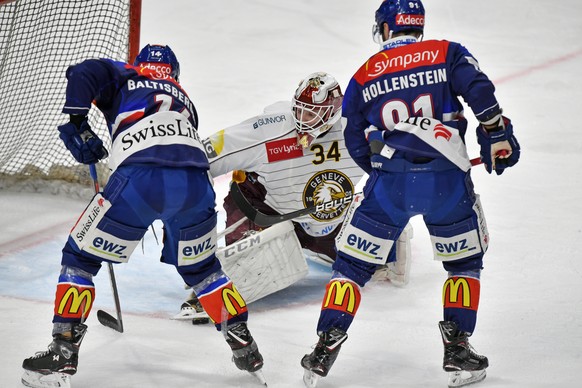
(49, 233)
(542, 66)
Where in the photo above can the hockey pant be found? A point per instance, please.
(453, 215)
(114, 223)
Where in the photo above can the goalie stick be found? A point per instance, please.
(103, 317)
(265, 220)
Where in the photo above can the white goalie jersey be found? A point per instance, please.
(294, 177)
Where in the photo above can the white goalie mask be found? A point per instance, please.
(317, 106)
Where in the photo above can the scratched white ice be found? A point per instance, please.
(236, 58)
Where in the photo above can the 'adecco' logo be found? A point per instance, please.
(409, 20)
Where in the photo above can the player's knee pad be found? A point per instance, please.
(464, 240)
(366, 239)
(98, 236)
(221, 300)
(195, 244)
(461, 294)
(340, 303)
(75, 295)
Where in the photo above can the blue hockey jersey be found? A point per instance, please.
(150, 117)
(422, 79)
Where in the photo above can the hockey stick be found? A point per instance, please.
(105, 318)
(231, 228)
(265, 220)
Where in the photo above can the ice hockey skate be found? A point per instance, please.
(55, 366)
(192, 309)
(319, 362)
(460, 360)
(245, 352)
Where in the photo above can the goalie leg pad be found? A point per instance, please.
(398, 271)
(221, 299)
(74, 297)
(256, 263)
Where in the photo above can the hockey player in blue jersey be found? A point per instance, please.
(160, 171)
(405, 127)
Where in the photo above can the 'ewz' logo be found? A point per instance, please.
(193, 251)
(361, 244)
(110, 248)
(454, 247)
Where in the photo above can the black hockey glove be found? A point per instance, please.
(499, 148)
(81, 141)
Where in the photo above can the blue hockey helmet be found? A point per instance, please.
(400, 15)
(152, 56)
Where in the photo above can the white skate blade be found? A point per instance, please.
(52, 380)
(310, 379)
(260, 377)
(462, 378)
(188, 313)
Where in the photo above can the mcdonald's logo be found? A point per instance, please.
(461, 292)
(74, 303)
(230, 297)
(342, 295)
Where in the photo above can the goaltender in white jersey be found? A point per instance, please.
(291, 157)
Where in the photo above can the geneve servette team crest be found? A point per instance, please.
(327, 186)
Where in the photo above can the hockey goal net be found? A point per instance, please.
(39, 39)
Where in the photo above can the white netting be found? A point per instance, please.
(39, 39)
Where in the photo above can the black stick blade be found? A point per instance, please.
(107, 320)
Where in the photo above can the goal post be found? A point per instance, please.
(39, 39)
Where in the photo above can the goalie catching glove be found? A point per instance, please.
(499, 148)
(81, 141)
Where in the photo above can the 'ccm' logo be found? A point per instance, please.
(242, 246)
(106, 246)
(362, 244)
